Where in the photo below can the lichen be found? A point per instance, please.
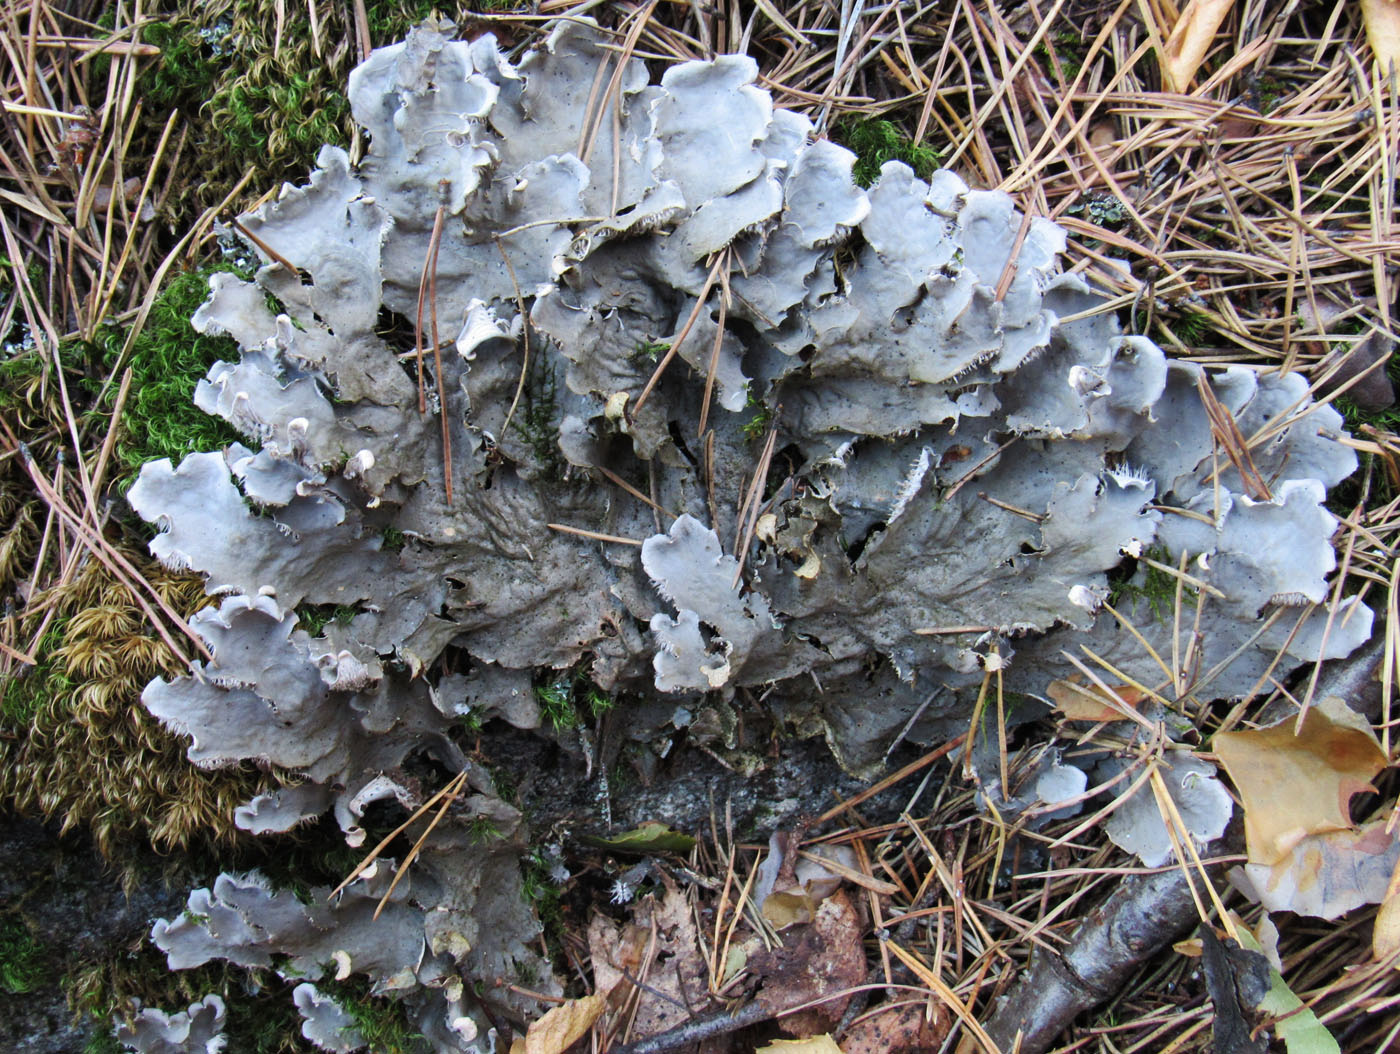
(957, 452)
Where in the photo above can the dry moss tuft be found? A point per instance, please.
(75, 743)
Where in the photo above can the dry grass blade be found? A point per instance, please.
(1229, 438)
(747, 521)
(947, 995)
(598, 536)
(685, 329)
(449, 790)
(453, 789)
(718, 343)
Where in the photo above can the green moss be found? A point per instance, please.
(875, 141)
(316, 617)
(30, 689)
(290, 120)
(540, 891)
(556, 700)
(168, 359)
(392, 540)
(756, 427)
(1069, 48)
(1155, 588)
(381, 1022)
(188, 69)
(596, 700)
(1266, 91)
(389, 22)
(649, 350)
(567, 700)
(1189, 327)
(483, 829)
(261, 1017)
(22, 967)
(103, 1043)
(537, 417)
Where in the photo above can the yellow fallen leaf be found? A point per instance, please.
(1296, 786)
(1326, 875)
(562, 1027)
(1385, 938)
(1190, 39)
(1383, 31)
(812, 1045)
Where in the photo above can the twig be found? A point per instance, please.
(1142, 916)
(697, 1029)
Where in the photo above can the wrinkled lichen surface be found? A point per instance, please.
(956, 452)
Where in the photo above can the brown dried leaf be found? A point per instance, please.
(562, 1027)
(1296, 786)
(903, 1029)
(1383, 31)
(784, 909)
(661, 948)
(1373, 392)
(614, 951)
(818, 959)
(1189, 41)
(1085, 702)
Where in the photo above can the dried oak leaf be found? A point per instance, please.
(897, 1030)
(1189, 41)
(1385, 937)
(1293, 786)
(818, 959)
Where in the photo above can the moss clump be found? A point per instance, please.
(255, 96)
(556, 702)
(566, 701)
(315, 617)
(22, 968)
(537, 417)
(76, 744)
(756, 427)
(1156, 589)
(188, 68)
(260, 1017)
(875, 141)
(393, 540)
(25, 691)
(1069, 47)
(381, 1022)
(168, 360)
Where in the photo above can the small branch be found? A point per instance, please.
(1141, 917)
(720, 1023)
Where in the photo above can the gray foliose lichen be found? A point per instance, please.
(554, 293)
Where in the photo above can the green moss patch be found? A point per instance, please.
(875, 141)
